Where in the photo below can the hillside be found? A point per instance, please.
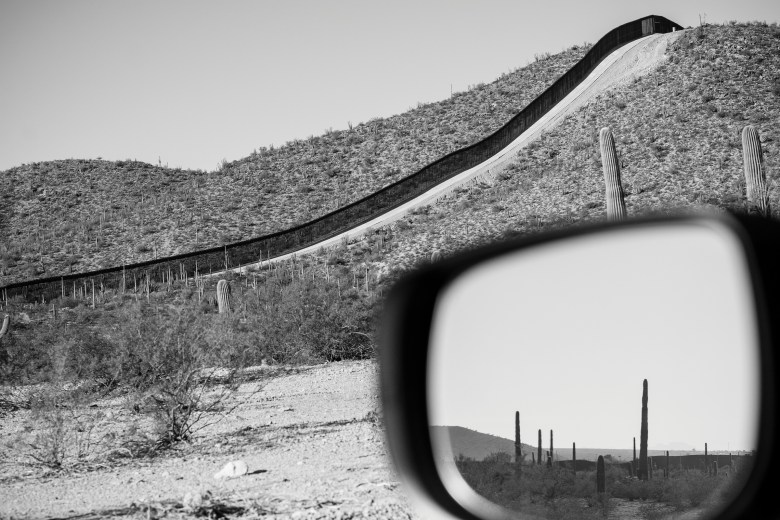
(76, 215)
(473, 444)
(677, 130)
(325, 306)
(683, 117)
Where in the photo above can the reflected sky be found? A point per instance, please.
(565, 333)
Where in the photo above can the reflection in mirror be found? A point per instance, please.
(625, 363)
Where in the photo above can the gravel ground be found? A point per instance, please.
(310, 436)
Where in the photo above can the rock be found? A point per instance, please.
(192, 500)
(232, 469)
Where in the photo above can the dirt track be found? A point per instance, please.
(310, 437)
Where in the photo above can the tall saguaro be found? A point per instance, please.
(616, 206)
(643, 475)
(518, 446)
(755, 178)
(574, 457)
(539, 450)
(551, 447)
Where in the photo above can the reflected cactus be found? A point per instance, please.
(666, 470)
(518, 445)
(539, 449)
(601, 476)
(643, 469)
(551, 447)
(574, 457)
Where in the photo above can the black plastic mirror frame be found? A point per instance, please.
(403, 356)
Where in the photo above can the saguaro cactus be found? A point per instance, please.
(643, 475)
(5, 327)
(601, 476)
(616, 206)
(574, 457)
(518, 445)
(551, 447)
(539, 449)
(223, 296)
(715, 468)
(666, 471)
(755, 178)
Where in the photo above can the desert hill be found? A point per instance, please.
(75, 215)
(475, 445)
(677, 131)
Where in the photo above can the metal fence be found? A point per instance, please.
(348, 217)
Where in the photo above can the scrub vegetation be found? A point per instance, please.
(560, 493)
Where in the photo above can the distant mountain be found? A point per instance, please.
(473, 444)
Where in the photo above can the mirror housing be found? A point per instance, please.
(406, 335)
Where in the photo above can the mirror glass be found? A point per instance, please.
(563, 338)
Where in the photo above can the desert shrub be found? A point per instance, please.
(61, 430)
(38, 353)
(169, 357)
(536, 490)
(304, 321)
(155, 343)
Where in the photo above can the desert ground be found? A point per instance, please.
(310, 437)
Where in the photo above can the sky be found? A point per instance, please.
(566, 333)
(190, 83)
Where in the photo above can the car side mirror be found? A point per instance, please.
(624, 369)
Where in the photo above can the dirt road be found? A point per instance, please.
(310, 436)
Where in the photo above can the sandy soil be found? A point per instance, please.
(310, 436)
